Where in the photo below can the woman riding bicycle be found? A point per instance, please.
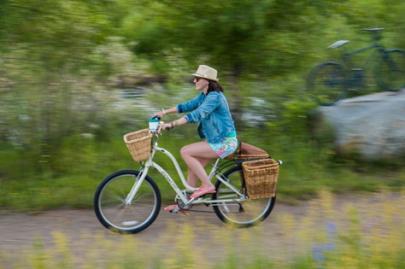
(216, 127)
(128, 201)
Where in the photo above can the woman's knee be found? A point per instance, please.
(197, 150)
(184, 151)
(190, 150)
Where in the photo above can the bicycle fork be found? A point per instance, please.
(138, 182)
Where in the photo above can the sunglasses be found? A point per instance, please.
(196, 79)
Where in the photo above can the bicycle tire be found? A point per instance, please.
(391, 71)
(326, 83)
(133, 221)
(263, 206)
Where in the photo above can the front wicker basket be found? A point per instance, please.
(260, 178)
(139, 144)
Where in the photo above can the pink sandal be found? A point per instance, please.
(202, 191)
(172, 209)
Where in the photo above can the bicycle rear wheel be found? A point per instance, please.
(241, 214)
(391, 72)
(111, 209)
(326, 83)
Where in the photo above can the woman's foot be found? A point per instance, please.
(175, 209)
(171, 208)
(202, 191)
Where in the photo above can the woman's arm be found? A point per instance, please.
(174, 123)
(182, 107)
(169, 110)
(163, 112)
(210, 103)
(190, 105)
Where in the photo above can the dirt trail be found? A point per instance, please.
(18, 231)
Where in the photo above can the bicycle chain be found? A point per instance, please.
(181, 206)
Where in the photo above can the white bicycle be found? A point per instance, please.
(129, 201)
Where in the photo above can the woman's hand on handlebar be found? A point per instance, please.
(159, 114)
(165, 126)
(166, 111)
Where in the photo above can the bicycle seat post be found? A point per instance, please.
(375, 34)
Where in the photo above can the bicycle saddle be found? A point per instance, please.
(338, 44)
(376, 29)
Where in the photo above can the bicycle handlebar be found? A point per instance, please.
(154, 124)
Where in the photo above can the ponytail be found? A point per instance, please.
(214, 86)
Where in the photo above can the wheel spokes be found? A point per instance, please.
(120, 215)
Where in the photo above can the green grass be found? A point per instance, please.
(47, 193)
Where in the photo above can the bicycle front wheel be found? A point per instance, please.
(244, 213)
(115, 213)
(326, 83)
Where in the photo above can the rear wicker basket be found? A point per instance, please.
(260, 178)
(139, 144)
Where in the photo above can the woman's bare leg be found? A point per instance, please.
(191, 155)
(192, 179)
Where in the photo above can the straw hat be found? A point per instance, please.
(204, 71)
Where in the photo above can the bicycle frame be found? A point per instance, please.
(346, 56)
(351, 77)
(150, 163)
(357, 51)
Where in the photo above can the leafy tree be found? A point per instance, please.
(239, 37)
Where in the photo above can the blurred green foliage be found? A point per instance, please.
(62, 61)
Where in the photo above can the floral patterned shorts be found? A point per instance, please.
(226, 147)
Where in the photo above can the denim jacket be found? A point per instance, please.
(212, 113)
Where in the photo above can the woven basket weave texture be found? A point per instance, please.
(261, 178)
(247, 156)
(139, 144)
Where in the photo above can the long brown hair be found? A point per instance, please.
(214, 86)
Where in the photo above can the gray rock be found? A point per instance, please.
(372, 126)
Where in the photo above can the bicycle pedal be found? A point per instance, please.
(175, 211)
(179, 210)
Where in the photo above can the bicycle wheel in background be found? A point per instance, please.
(114, 214)
(241, 214)
(326, 83)
(391, 71)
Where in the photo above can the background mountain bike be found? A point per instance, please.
(333, 80)
(128, 201)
